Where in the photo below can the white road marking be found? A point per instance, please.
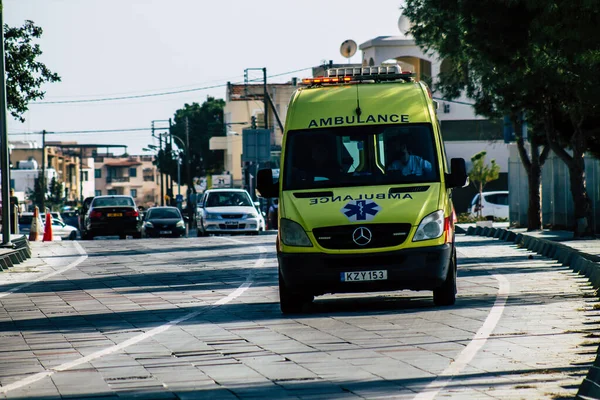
(478, 341)
(136, 339)
(75, 263)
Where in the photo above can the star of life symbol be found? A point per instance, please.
(360, 210)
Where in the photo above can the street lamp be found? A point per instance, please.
(179, 162)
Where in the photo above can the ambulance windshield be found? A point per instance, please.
(360, 156)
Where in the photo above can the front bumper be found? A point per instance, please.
(422, 268)
(242, 225)
(170, 231)
(114, 228)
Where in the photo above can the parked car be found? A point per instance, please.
(25, 220)
(494, 205)
(70, 217)
(164, 221)
(112, 216)
(56, 215)
(227, 211)
(62, 230)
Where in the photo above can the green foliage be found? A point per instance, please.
(24, 73)
(55, 195)
(481, 173)
(36, 194)
(467, 218)
(203, 122)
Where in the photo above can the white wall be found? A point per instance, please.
(25, 178)
(496, 150)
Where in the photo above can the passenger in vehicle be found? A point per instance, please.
(405, 162)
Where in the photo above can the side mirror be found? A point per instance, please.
(257, 204)
(458, 176)
(186, 218)
(265, 185)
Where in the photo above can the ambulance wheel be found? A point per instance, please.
(445, 295)
(291, 302)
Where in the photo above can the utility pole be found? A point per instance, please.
(189, 172)
(162, 183)
(266, 98)
(81, 174)
(169, 176)
(44, 187)
(4, 156)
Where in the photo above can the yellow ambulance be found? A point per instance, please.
(364, 189)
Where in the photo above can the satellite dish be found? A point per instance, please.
(404, 25)
(348, 48)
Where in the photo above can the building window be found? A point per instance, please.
(97, 173)
(134, 193)
(132, 172)
(112, 192)
(85, 176)
(98, 192)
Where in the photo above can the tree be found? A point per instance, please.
(481, 174)
(200, 122)
(36, 195)
(56, 194)
(24, 73)
(572, 110)
(514, 63)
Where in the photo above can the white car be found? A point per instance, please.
(62, 230)
(228, 211)
(494, 205)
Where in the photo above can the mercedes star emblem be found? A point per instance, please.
(362, 236)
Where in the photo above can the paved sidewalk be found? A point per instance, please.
(581, 255)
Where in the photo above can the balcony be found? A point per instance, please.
(117, 179)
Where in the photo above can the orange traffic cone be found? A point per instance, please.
(48, 229)
(34, 230)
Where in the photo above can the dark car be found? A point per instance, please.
(164, 221)
(112, 216)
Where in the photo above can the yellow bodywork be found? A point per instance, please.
(335, 106)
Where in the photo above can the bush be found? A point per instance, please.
(466, 218)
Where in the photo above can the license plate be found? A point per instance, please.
(361, 276)
(231, 223)
(165, 232)
(114, 214)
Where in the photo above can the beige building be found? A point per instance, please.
(135, 176)
(28, 155)
(242, 102)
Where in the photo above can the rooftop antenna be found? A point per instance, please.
(348, 49)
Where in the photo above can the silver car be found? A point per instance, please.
(228, 211)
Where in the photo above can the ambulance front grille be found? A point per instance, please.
(342, 237)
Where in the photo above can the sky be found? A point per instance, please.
(114, 48)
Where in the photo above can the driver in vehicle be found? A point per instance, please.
(406, 163)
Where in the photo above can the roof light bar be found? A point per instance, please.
(358, 74)
(365, 71)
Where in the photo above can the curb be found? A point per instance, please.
(584, 264)
(20, 252)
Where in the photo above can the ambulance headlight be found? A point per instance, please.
(292, 234)
(431, 227)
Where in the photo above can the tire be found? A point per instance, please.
(291, 302)
(122, 237)
(73, 235)
(137, 235)
(445, 295)
(87, 236)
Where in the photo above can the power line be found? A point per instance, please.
(78, 132)
(154, 94)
